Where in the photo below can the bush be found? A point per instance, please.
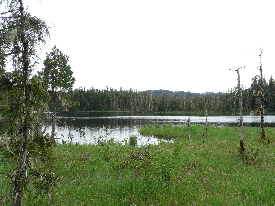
(252, 156)
(133, 141)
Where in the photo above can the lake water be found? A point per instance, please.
(93, 127)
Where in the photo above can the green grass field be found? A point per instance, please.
(180, 173)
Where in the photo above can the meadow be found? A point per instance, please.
(195, 172)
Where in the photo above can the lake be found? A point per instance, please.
(94, 127)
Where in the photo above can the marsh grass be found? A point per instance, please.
(182, 173)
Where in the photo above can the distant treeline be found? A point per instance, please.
(167, 101)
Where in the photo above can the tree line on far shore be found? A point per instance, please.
(110, 99)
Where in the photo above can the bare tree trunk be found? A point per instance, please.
(262, 99)
(242, 149)
(262, 123)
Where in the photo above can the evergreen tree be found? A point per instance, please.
(24, 96)
(58, 79)
(271, 95)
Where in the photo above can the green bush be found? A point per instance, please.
(133, 141)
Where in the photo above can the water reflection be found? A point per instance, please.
(95, 127)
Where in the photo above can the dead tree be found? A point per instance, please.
(239, 94)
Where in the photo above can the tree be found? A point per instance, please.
(58, 79)
(271, 95)
(24, 95)
(239, 93)
(260, 93)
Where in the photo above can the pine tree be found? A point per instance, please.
(58, 80)
(25, 99)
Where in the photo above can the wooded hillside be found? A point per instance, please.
(166, 101)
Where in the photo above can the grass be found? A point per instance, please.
(180, 173)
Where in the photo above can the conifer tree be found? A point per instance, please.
(24, 96)
(58, 80)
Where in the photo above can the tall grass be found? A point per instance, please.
(180, 173)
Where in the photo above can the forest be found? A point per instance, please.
(167, 101)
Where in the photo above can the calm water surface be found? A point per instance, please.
(92, 127)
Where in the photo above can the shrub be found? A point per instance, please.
(133, 141)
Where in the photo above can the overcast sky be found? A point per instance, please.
(161, 44)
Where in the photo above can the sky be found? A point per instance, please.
(176, 45)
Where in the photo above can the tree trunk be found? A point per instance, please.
(242, 149)
(21, 172)
(54, 113)
(262, 103)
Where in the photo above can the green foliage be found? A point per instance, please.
(13, 29)
(57, 78)
(133, 140)
(169, 131)
(57, 73)
(144, 102)
(151, 166)
(23, 104)
(42, 161)
(252, 156)
(40, 178)
(270, 95)
(180, 173)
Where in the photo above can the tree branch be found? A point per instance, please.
(6, 17)
(6, 12)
